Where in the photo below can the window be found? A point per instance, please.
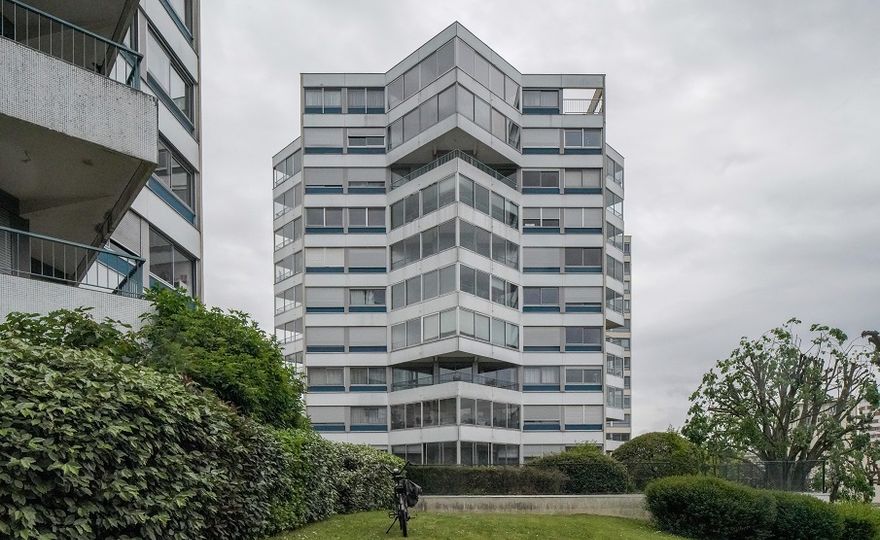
(290, 331)
(541, 338)
(613, 171)
(365, 259)
(368, 375)
(614, 203)
(583, 299)
(548, 375)
(324, 218)
(367, 339)
(333, 376)
(542, 296)
(323, 140)
(170, 263)
(614, 397)
(614, 236)
(175, 174)
(540, 414)
(323, 100)
(288, 167)
(541, 101)
(324, 180)
(583, 259)
(365, 100)
(583, 338)
(366, 217)
(366, 297)
(544, 139)
(288, 200)
(289, 266)
(288, 299)
(540, 179)
(541, 259)
(615, 268)
(324, 298)
(583, 218)
(369, 416)
(318, 259)
(583, 138)
(183, 11)
(365, 141)
(582, 179)
(614, 365)
(395, 93)
(169, 77)
(541, 217)
(583, 375)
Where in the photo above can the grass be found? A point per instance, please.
(438, 526)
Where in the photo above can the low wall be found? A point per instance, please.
(628, 506)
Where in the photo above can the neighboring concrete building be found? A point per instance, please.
(100, 193)
(449, 257)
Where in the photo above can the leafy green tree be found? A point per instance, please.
(787, 400)
(657, 455)
(224, 351)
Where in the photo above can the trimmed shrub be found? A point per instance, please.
(859, 521)
(588, 470)
(364, 482)
(656, 455)
(93, 448)
(706, 507)
(804, 517)
(464, 480)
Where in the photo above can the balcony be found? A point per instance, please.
(39, 274)
(78, 141)
(400, 180)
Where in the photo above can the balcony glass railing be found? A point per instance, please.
(41, 257)
(428, 380)
(509, 180)
(46, 33)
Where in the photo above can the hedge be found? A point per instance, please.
(488, 480)
(90, 447)
(803, 517)
(656, 455)
(588, 470)
(706, 507)
(859, 521)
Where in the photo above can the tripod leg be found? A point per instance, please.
(392, 525)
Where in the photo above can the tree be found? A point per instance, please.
(656, 455)
(224, 351)
(788, 402)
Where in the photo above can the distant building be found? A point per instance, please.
(100, 192)
(450, 262)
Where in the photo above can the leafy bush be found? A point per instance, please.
(859, 521)
(706, 507)
(226, 352)
(463, 480)
(90, 447)
(364, 481)
(588, 470)
(656, 455)
(804, 517)
(72, 329)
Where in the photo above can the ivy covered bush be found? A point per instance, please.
(656, 455)
(588, 470)
(93, 448)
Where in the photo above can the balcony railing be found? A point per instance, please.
(581, 106)
(509, 180)
(428, 380)
(46, 33)
(41, 257)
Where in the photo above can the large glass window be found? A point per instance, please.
(183, 11)
(175, 174)
(170, 263)
(170, 78)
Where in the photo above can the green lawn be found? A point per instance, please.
(438, 526)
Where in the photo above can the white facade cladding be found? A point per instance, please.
(449, 258)
(99, 153)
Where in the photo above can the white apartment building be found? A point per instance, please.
(100, 191)
(449, 258)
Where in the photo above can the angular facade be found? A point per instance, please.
(449, 258)
(99, 153)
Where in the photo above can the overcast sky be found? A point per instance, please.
(751, 132)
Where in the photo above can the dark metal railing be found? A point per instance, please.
(41, 257)
(428, 380)
(56, 37)
(509, 180)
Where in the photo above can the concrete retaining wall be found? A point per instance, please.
(628, 506)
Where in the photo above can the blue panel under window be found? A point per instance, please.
(541, 348)
(540, 309)
(584, 269)
(541, 270)
(540, 150)
(541, 427)
(540, 230)
(540, 388)
(329, 427)
(356, 110)
(325, 348)
(596, 308)
(327, 189)
(324, 309)
(368, 427)
(540, 110)
(583, 427)
(366, 190)
(375, 110)
(368, 388)
(583, 230)
(583, 348)
(366, 269)
(327, 388)
(332, 110)
(170, 199)
(366, 230)
(550, 190)
(367, 309)
(368, 349)
(583, 191)
(322, 150)
(365, 150)
(324, 230)
(583, 387)
(324, 269)
(584, 151)
(314, 110)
